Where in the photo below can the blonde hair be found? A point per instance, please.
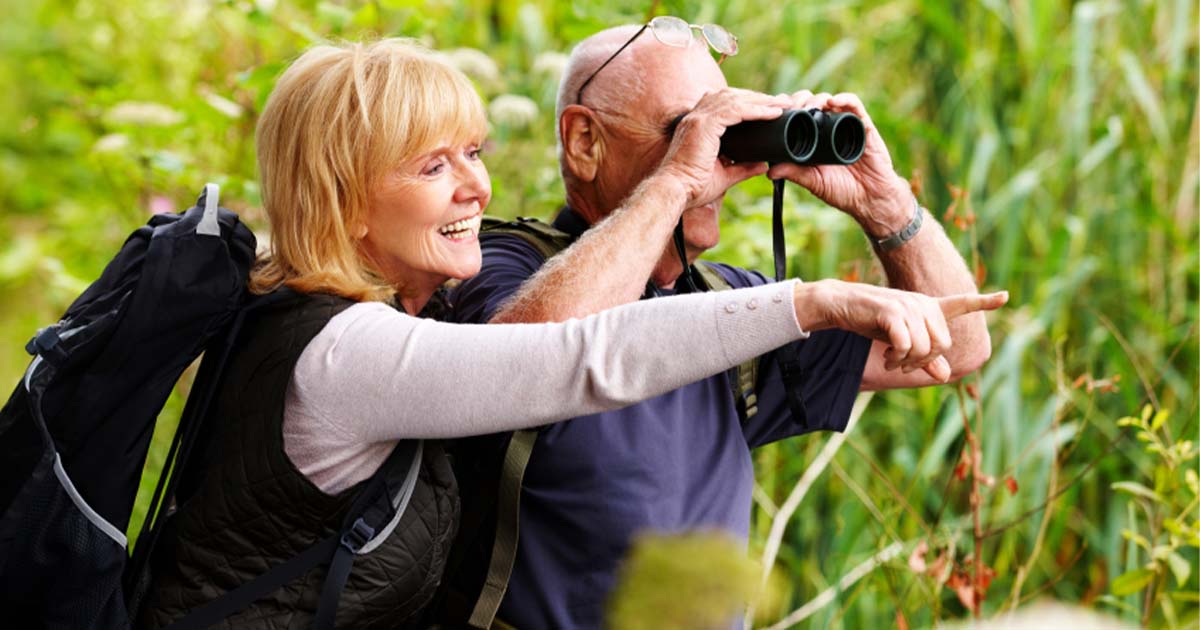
(339, 118)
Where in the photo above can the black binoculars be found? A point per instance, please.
(800, 136)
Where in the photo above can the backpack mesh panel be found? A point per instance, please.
(67, 574)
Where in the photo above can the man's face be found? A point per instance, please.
(672, 82)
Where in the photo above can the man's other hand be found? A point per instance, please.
(868, 190)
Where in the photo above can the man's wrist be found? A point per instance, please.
(667, 191)
(889, 215)
(905, 234)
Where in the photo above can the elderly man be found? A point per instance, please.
(682, 461)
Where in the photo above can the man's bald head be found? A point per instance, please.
(645, 69)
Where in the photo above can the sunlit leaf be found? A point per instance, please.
(1160, 418)
(1180, 567)
(1132, 582)
(1136, 489)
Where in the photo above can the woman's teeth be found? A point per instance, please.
(462, 229)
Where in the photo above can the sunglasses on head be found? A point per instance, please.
(673, 31)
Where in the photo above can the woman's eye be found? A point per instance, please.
(434, 168)
(474, 153)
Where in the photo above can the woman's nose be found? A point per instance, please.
(474, 183)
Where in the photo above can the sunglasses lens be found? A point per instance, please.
(720, 39)
(671, 31)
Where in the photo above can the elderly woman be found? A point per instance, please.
(374, 187)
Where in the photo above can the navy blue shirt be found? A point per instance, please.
(677, 462)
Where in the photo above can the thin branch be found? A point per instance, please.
(848, 580)
(891, 488)
(1133, 360)
(1023, 571)
(779, 523)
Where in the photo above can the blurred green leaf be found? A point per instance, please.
(1132, 582)
(1136, 489)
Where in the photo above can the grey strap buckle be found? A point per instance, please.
(208, 223)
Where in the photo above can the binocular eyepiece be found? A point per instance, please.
(800, 136)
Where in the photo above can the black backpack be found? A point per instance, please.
(75, 433)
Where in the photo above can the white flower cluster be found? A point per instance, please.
(475, 64)
(513, 110)
(142, 113)
(550, 65)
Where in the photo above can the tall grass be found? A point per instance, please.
(1062, 135)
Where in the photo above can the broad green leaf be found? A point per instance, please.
(1180, 567)
(1132, 582)
(1137, 489)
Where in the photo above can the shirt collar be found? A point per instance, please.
(570, 222)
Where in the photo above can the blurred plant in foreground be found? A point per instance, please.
(695, 580)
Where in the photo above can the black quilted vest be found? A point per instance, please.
(253, 509)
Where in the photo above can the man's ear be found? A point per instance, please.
(581, 142)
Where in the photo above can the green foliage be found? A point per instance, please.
(1057, 142)
(1164, 526)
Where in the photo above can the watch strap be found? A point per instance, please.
(893, 241)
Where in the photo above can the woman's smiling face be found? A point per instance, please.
(423, 218)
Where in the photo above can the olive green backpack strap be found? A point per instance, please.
(746, 374)
(504, 547)
(544, 237)
(548, 241)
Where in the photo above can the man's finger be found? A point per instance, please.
(958, 305)
(735, 173)
(939, 369)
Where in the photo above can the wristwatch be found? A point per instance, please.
(890, 242)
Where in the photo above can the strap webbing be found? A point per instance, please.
(789, 365)
(777, 231)
(504, 549)
(689, 283)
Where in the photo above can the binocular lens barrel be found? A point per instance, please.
(800, 136)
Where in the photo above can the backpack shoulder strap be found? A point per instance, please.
(548, 241)
(544, 237)
(504, 547)
(745, 376)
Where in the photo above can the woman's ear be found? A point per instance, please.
(581, 142)
(358, 231)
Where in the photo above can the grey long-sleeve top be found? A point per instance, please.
(373, 375)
